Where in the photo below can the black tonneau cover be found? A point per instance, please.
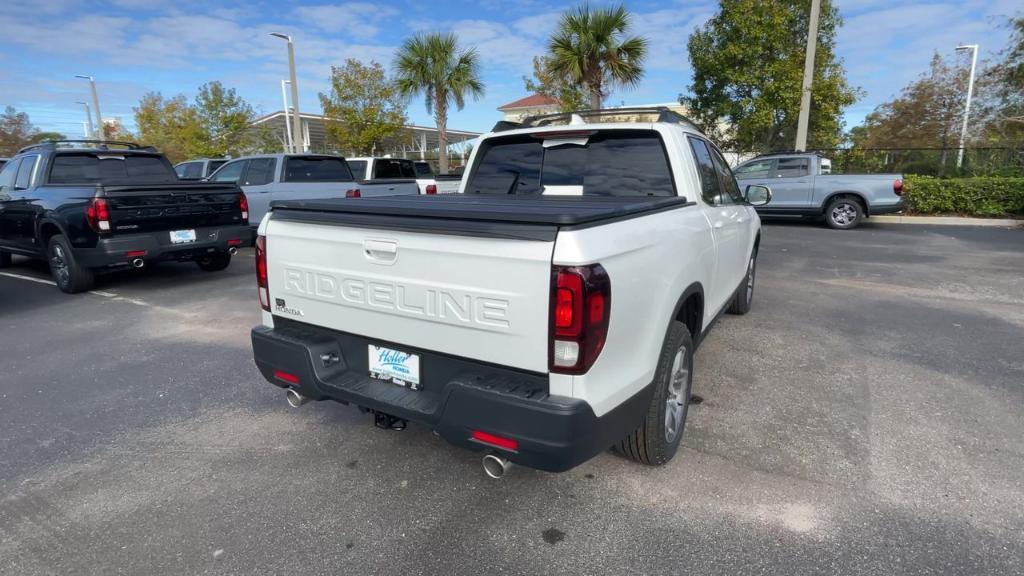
(573, 211)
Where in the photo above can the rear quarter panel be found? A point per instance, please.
(875, 189)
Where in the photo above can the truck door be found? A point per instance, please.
(258, 184)
(6, 198)
(791, 183)
(20, 210)
(726, 218)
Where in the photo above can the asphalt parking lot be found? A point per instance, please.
(865, 418)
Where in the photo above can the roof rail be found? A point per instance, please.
(778, 152)
(101, 144)
(663, 114)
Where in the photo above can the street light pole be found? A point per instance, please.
(88, 120)
(805, 95)
(289, 143)
(967, 106)
(96, 106)
(296, 120)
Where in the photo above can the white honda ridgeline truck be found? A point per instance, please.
(546, 313)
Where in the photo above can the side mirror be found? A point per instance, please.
(758, 195)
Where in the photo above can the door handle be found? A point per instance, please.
(380, 251)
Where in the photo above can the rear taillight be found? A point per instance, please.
(897, 187)
(581, 299)
(243, 204)
(431, 189)
(495, 440)
(261, 272)
(97, 215)
(353, 193)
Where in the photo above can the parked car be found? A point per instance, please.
(199, 168)
(802, 185)
(269, 177)
(426, 182)
(87, 210)
(548, 312)
(443, 183)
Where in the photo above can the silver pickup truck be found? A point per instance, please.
(270, 177)
(803, 186)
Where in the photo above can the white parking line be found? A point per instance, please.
(102, 293)
(29, 278)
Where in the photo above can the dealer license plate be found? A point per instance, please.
(183, 236)
(395, 366)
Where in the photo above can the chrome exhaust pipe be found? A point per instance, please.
(295, 399)
(232, 250)
(138, 263)
(496, 466)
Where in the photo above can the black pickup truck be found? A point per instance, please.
(89, 207)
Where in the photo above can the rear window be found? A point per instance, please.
(111, 168)
(317, 169)
(609, 163)
(358, 168)
(423, 170)
(387, 168)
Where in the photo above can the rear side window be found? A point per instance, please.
(792, 168)
(710, 188)
(110, 168)
(729, 184)
(24, 179)
(230, 172)
(756, 169)
(609, 163)
(7, 175)
(317, 169)
(260, 172)
(358, 168)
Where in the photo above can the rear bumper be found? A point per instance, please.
(878, 209)
(554, 433)
(157, 246)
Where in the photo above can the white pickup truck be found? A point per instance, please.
(427, 182)
(547, 313)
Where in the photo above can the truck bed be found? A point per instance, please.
(575, 211)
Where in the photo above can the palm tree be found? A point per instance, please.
(433, 65)
(589, 48)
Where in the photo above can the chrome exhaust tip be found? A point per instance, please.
(496, 466)
(138, 263)
(232, 250)
(295, 399)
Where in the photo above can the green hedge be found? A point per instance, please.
(992, 196)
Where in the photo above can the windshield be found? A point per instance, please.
(608, 163)
(111, 168)
(317, 169)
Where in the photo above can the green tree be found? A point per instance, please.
(590, 49)
(171, 125)
(748, 65)
(364, 109)
(16, 131)
(570, 95)
(226, 119)
(432, 64)
(927, 114)
(1001, 93)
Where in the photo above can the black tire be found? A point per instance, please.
(214, 262)
(653, 443)
(5, 259)
(70, 277)
(741, 301)
(844, 213)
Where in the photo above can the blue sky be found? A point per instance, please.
(136, 46)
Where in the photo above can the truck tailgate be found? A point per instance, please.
(482, 298)
(171, 207)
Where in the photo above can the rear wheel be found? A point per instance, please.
(214, 262)
(657, 439)
(67, 273)
(844, 213)
(745, 293)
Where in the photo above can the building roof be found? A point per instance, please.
(531, 101)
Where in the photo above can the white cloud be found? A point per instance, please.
(359, 20)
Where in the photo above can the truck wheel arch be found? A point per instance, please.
(855, 195)
(48, 229)
(689, 310)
